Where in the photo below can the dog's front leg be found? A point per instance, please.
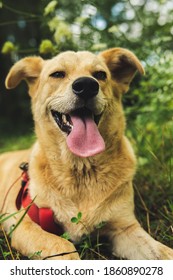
(133, 242)
(28, 238)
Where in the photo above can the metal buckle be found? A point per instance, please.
(24, 166)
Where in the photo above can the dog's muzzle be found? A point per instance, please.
(85, 87)
(81, 125)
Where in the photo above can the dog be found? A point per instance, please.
(82, 162)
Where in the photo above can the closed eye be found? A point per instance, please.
(100, 75)
(58, 75)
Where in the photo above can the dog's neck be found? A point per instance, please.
(75, 172)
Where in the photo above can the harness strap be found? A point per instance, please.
(41, 216)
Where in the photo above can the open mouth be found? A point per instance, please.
(65, 123)
(81, 127)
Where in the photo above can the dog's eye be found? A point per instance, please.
(100, 75)
(58, 75)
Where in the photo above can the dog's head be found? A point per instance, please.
(77, 95)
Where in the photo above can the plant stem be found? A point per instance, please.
(8, 244)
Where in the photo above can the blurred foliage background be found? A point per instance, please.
(145, 27)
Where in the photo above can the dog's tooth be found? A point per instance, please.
(64, 118)
(69, 124)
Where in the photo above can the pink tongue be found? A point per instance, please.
(85, 140)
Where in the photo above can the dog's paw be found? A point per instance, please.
(165, 253)
(63, 250)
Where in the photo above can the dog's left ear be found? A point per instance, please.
(123, 65)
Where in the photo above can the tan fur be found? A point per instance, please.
(100, 186)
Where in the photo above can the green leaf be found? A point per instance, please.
(6, 254)
(74, 220)
(85, 245)
(77, 219)
(46, 47)
(66, 235)
(3, 217)
(50, 7)
(8, 47)
(79, 216)
(36, 254)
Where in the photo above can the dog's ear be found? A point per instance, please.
(27, 69)
(123, 65)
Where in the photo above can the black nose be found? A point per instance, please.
(85, 87)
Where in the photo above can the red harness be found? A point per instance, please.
(41, 216)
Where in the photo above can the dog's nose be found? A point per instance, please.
(85, 87)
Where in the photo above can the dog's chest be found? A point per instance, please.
(88, 196)
(88, 215)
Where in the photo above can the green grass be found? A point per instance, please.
(13, 143)
(153, 186)
(154, 180)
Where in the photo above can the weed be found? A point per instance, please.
(88, 248)
(35, 255)
(5, 247)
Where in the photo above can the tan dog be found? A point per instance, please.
(81, 162)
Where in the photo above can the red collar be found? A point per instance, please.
(41, 216)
